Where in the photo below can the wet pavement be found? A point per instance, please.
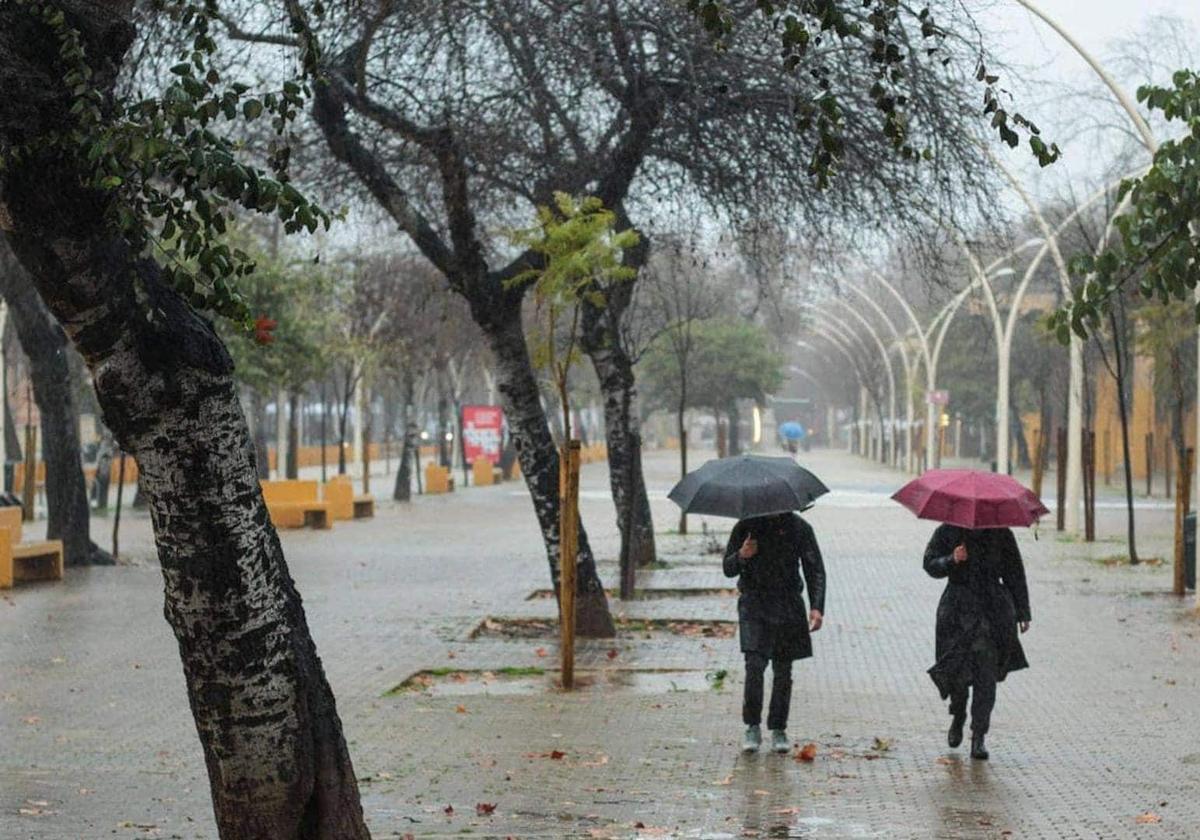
(1099, 739)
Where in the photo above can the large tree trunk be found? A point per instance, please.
(614, 369)
(45, 345)
(530, 433)
(277, 761)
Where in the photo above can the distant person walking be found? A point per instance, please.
(985, 601)
(766, 554)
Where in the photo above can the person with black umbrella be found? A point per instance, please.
(767, 548)
(765, 554)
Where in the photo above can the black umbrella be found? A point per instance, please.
(746, 486)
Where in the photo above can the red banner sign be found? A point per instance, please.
(482, 431)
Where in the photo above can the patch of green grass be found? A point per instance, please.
(517, 671)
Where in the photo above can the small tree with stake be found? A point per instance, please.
(579, 251)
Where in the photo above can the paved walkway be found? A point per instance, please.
(1104, 729)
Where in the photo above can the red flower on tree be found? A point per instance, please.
(262, 329)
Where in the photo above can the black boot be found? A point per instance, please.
(955, 736)
(978, 750)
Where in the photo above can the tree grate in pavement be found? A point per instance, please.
(547, 628)
(653, 594)
(452, 682)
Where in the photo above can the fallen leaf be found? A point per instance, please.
(728, 780)
(483, 809)
(460, 709)
(540, 653)
(31, 720)
(807, 753)
(612, 653)
(882, 744)
(786, 811)
(448, 810)
(1148, 818)
(451, 655)
(556, 755)
(941, 759)
(639, 824)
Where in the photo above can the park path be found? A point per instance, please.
(96, 739)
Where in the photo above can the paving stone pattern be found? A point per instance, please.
(96, 739)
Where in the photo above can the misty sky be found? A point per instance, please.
(1020, 38)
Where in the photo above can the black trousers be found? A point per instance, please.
(984, 670)
(781, 691)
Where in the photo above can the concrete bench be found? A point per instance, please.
(483, 474)
(295, 504)
(22, 561)
(344, 504)
(438, 479)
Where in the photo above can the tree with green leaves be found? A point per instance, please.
(116, 208)
(1159, 229)
(290, 298)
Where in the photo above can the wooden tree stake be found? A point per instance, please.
(1183, 492)
(568, 550)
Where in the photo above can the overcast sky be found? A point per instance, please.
(1018, 37)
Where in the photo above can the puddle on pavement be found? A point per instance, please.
(655, 593)
(499, 627)
(533, 681)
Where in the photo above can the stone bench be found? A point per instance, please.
(294, 503)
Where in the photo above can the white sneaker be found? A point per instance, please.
(752, 740)
(779, 741)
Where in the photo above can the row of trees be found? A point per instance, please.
(122, 170)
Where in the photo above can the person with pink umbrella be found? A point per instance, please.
(986, 599)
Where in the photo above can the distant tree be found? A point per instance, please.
(678, 293)
(46, 346)
(732, 360)
(289, 297)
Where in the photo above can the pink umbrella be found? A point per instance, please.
(971, 499)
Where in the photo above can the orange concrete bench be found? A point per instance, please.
(483, 474)
(339, 492)
(295, 504)
(438, 479)
(21, 561)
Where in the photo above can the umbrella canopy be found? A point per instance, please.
(791, 430)
(971, 499)
(746, 486)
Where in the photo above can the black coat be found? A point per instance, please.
(985, 596)
(772, 617)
